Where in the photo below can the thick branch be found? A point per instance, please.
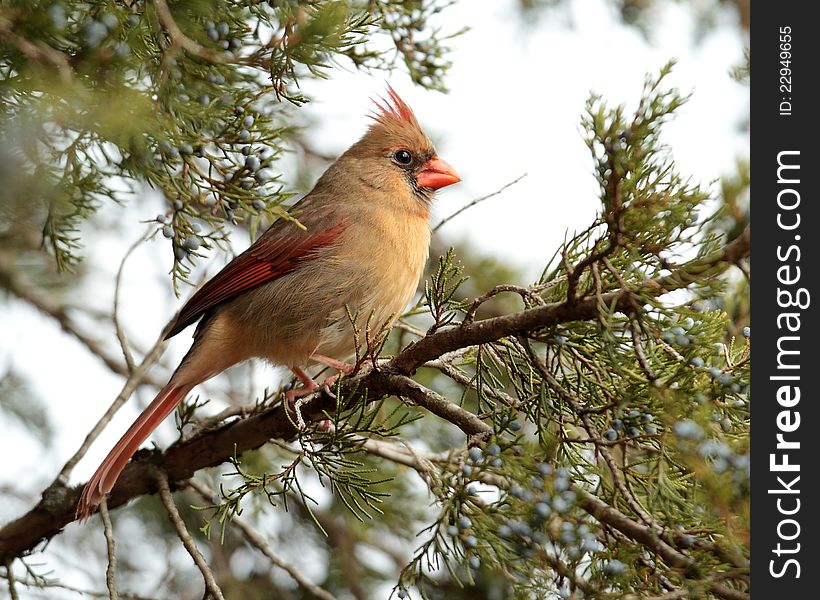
(385, 384)
(639, 532)
(490, 330)
(182, 460)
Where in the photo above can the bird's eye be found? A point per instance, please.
(403, 157)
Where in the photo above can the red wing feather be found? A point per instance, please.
(264, 261)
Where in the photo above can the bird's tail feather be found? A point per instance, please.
(109, 470)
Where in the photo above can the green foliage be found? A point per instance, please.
(647, 409)
(327, 452)
(440, 293)
(417, 39)
(644, 406)
(193, 99)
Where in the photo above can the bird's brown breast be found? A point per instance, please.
(384, 260)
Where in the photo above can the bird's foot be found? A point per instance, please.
(309, 386)
(333, 363)
(299, 393)
(329, 382)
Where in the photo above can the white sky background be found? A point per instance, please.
(516, 97)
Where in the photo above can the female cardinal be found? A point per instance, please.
(288, 298)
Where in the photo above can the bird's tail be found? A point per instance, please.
(109, 470)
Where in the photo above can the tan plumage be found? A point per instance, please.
(286, 299)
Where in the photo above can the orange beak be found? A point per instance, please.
(436, 173)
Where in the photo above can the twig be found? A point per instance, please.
(593, 432)
(39, 52)
(257, 541)
(10, 579)
(448, 369)
(670, 350)
(207, 423)
(182, 532)
(525, 293)
(344, 540)
(40, 584)
(421, 462)
(126, 353)
(724, 591)
(574, 575)
(401, 385)
(678, 594)
(111, 569)
(133, 381)
(408, 328)
(181, 40)
(718, 588)
(637, 345)
(477, 201)
(644, 534)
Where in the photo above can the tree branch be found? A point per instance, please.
(258, 542)
(211, 586)
(452, 216)
(384, 383)
(111, 569)
(211, 448)
(490, 330)
(133, 381)
(179, 39)
(36, 52)
(11, 580)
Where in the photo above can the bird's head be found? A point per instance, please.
(395, 155)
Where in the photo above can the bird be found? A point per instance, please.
(356, 246)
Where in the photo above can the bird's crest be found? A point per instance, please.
(393, 109)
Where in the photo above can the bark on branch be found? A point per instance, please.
(57, 505)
